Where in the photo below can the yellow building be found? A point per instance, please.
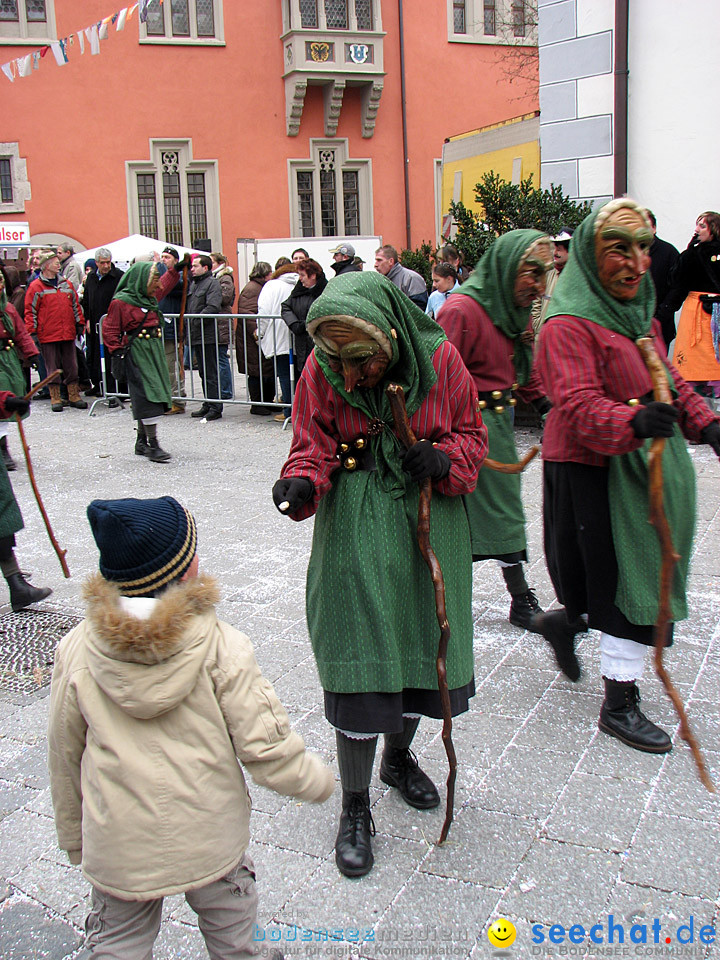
(510, 149)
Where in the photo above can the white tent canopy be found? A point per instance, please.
(136, 245)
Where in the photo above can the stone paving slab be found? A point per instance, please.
(555, 822)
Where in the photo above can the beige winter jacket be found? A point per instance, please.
(147, 718)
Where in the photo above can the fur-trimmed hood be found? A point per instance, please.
(147, 666)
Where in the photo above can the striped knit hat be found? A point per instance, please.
(144, 544)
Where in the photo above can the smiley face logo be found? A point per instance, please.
(502, 933)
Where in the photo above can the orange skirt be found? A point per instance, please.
(694, 355)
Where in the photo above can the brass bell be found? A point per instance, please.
(393, 333)
(515, 386)
(499, 408)
(634, 402)
(496, 394)
(482, 404)
(360, 443)
(512, 402)
(344, 448)
(350, 463)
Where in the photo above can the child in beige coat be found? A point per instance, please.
(155, 704)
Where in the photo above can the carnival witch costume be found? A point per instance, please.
(370, 598)
(604, 558)
(132, 332)
(488, 320)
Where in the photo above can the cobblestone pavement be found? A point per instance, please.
(555, 822)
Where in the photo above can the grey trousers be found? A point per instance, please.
(226, 909)
(175, 369)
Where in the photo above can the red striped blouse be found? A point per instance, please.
(449, 416)
(590, 374)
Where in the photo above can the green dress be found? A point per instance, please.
(370, 598)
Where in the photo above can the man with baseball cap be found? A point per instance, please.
(344, 259)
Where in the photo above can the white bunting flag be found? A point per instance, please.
(93, 39)
(121, 18)
(8, 70)
(24, 65)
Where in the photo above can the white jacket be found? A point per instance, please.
(274, 335)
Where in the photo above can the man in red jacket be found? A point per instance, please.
(53, 313)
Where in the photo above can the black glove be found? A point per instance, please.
(295, 491)
(17, 405)
(423, 460)
(655, 420)
(542, 406)
(711, 434)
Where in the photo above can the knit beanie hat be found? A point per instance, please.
(144, 544)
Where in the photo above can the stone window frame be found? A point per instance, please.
(186, 164)
(363, 166)
(20, 183)
(46, 29)
(217, 41)
(475, 23)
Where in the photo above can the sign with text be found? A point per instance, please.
(13, 231)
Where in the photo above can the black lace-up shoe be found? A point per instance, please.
(560, 634)
(353, 853)
(621, 717)
(399, 768)
(523, 609)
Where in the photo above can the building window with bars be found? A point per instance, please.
(336, 14)
(489, 18)
(331, 194)
(510, 22)
(308, 14)
(26, 19)
(518, 18)
(174, 198)
(184, 21)
(6, 184)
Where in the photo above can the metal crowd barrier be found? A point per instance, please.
(223, 356)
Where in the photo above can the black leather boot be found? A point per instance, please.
(7, 458)
(141, 442)
(353, 853)
(399, 768)
(156, 452)
(523, 610)
(621, 717)
(560, 634)
(22, 593)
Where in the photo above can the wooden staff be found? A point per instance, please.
(407, 438)
(26, 450)
(661, 393)
(511, 467)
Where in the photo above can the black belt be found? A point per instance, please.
(356, 455)
(497, 399)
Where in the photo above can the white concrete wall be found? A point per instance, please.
(674, 106)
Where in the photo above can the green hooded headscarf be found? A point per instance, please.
(579, 292)
(133, 286)
(412, 338)
(492, 285)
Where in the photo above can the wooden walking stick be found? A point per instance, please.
(511, 467)
(661, 392)
(407, 438)
(26, 450)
